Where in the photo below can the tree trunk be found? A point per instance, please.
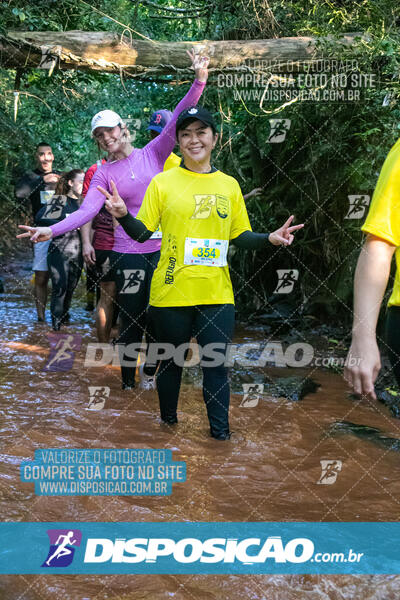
(106, 51)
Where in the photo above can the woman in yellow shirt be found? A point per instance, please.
(371, 278)
(200, 211)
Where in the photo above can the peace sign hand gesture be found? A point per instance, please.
(199, 64)
(284, 236)
(114, 203)
(37, 234)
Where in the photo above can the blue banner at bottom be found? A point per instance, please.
(193, 548)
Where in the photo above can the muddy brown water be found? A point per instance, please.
(267, 472)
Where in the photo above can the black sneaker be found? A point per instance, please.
(222, 436)
(127, 386)
(169, 420)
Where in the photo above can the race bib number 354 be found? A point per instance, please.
(209, 253)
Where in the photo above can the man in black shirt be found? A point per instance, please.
(38, 186)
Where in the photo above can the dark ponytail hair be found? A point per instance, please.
(62, 188)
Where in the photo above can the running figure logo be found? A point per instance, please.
(252, 393)
(98, 396)
(49, 58)
(62, 351)
(279, 129)
(330, 470)
(286, 280)
(133, 126)
(54, 208)
(62, 547)
(203, 205)
(357, 206)
(133, 279)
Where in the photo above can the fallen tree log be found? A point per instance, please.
(107, 51)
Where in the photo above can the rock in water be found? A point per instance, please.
(391, 399)
(365, 432)
(293, 388)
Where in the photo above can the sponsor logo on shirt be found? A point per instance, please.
(203, 205)
(222, 206)
(205, 202)
(169, 277)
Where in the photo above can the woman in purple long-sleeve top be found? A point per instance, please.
(132, 170)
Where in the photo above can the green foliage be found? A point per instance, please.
(332, 149)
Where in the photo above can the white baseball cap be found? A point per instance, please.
(106, 118)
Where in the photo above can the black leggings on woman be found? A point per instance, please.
(392, 335)
(65, 272)
(209, 324)
(132, 274)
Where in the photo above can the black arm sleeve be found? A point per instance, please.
(251, 240)
(135, 228)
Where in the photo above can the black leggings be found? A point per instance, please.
(92, 286)
(132, 274)
(392, 335)
(209, 324)
(65, 273)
